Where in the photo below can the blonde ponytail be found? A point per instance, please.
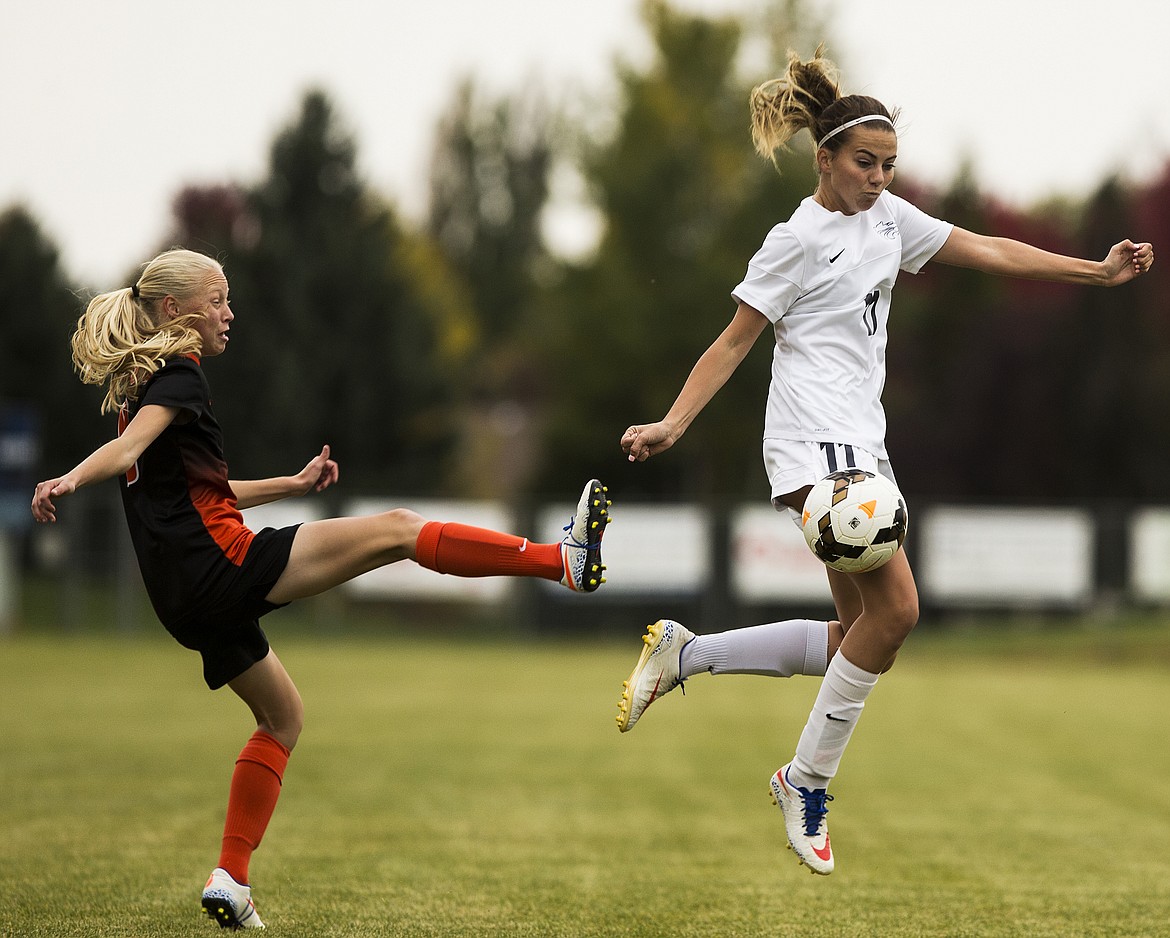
(123, 337)
(783, 107)
(807, 97)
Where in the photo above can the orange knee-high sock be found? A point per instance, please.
(255, 787)
(463, 550)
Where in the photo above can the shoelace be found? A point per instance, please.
(815, 808)
(569, 527)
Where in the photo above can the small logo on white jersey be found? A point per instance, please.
(833, 259)
(887, 229)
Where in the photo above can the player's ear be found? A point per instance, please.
(170, 307)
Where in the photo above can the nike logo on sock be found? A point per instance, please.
(524, 546)
(829, 716)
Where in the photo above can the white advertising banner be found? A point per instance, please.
(770, 560)
(1005, 556)
(649, 550)
(1149, 555)
(407, 580)
(281, 514)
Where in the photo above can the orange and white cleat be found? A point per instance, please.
(229, 903)
(581, 545)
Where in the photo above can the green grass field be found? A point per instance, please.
(1006, 784)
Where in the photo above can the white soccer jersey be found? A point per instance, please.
(824, 281)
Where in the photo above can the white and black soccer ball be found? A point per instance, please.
(854, 521)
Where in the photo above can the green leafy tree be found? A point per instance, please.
(686, 203)
(339, 333)
(489, 188)
(39, 308)
(1112, 344)
(1001, 388)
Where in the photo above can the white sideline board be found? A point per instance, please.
(1149, 555)
(994, 556)
(649, 550)
(770, 560)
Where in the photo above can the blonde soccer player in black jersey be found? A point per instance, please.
(821, 283)
(209, 577)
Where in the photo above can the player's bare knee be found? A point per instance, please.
(285, 717)
(285, 725)
(898, 621)
(402, 526)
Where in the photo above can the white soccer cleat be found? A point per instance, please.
(228, 903)
(656, 673)
(581, 545)
(804, 819)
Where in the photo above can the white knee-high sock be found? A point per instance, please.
(778, 649)
(834, 715)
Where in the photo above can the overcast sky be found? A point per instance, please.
(107, 108)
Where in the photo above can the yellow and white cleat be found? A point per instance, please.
(656, 673)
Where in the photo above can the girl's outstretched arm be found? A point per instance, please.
(320, 473)
(711, 371)
(108, 460)
(1125, 260)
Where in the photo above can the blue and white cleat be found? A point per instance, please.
(581, 545)
(804, 820)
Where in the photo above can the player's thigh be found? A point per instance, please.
(327, 553)
(889, 593)
(889, 601)
(273, 699)
(846, 597)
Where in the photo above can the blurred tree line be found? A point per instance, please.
(461, 356)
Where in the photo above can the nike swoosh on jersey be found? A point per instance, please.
(835, 256)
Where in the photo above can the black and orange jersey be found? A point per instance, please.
(182, 513)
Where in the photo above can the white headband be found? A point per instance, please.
(853, 123)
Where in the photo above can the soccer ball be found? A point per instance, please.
(854, 520)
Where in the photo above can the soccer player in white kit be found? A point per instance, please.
(823, 281)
